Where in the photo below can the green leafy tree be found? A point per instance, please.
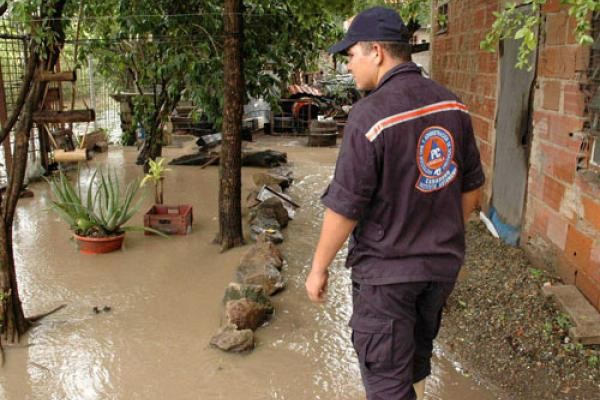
(43, 20)
(414, 13)
(520, 23)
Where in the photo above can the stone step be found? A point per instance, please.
(585, 317)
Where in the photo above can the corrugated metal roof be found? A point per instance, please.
(304, 89)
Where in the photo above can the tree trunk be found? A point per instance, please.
(230, 168)
(14, 323)
(152, 147)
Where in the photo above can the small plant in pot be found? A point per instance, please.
(165, 218)
(96, 218)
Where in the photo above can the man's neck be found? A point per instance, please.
(387, 67)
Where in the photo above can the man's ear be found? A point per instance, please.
(378, 53)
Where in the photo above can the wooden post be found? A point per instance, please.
(44, 145)
(51, 76)
(3, 120)
(61, 117)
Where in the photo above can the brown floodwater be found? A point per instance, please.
(165, 298)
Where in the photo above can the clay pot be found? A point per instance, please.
(92, 245)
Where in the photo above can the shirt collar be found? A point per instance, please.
(404, 68)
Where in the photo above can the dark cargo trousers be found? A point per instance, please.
(393, 328)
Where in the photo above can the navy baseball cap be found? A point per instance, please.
(374, 24)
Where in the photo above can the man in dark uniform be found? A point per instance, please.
(406, 180)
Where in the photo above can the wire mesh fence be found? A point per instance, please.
(89, 91)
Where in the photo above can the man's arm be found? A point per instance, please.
(470, 201)
(334, 232)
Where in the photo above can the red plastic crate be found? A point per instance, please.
(173, 220)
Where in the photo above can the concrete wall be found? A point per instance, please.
(561, 228)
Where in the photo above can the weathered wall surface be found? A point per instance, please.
(561, 227)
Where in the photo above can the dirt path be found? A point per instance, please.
(165, 299)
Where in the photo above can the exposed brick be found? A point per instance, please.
(556, 28)
(485, 151)
(556, 129)
(557, 230)
(591, 211)
(551, 6)
(553, 192)
(481, 127)
(582, 58)
(558, 61)
(595, 260)
(488, 63)
(551, 95)
(571, 36)
(535, 183)
(578, 248)
(541, 217)
(588, 286)
(558, 161)
(566, 271)
(574, 100)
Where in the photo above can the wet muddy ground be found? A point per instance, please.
(164, 296)
(503, 330)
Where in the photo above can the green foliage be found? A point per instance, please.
(174, 50)
(156, 173)
(593, 361)
(520, 24)
(104, 208)
(563, 321)
(416, 11)
(536, 273)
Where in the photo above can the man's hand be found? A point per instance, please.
(316, 285)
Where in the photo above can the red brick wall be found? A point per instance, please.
(562, 216)
(471, 73)
(563, 207)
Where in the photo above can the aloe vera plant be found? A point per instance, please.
(102, 210)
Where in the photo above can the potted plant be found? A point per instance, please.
(97, 218)
(165, 218)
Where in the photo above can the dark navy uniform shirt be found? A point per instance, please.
(407, 156)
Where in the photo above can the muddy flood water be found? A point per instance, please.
(165, 299)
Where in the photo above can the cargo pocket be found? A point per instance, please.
(373, 341)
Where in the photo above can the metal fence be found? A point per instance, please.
(90, 91)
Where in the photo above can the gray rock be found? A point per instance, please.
(229, 338)
(245, 313)
(252, 201)
(266, 276)
(273, 235)
(261, 266)
(270, 179)
(264, 252)
(263, 214)
(236, 291)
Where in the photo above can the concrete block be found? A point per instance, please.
(585, 317)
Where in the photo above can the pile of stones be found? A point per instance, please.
(247, 300)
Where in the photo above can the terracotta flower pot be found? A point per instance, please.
(91, 245)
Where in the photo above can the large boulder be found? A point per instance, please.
(270, 179)
(252, 201)
(245, 313)
(237, 291)
(261, 265)
(229, 338)
(266, 276)
(270, 209)
(284, 171)
(264, 252)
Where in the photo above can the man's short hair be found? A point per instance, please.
(399, 50)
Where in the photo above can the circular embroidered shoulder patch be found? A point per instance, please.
(435, 159)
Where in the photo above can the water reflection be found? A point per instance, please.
(165, 298)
